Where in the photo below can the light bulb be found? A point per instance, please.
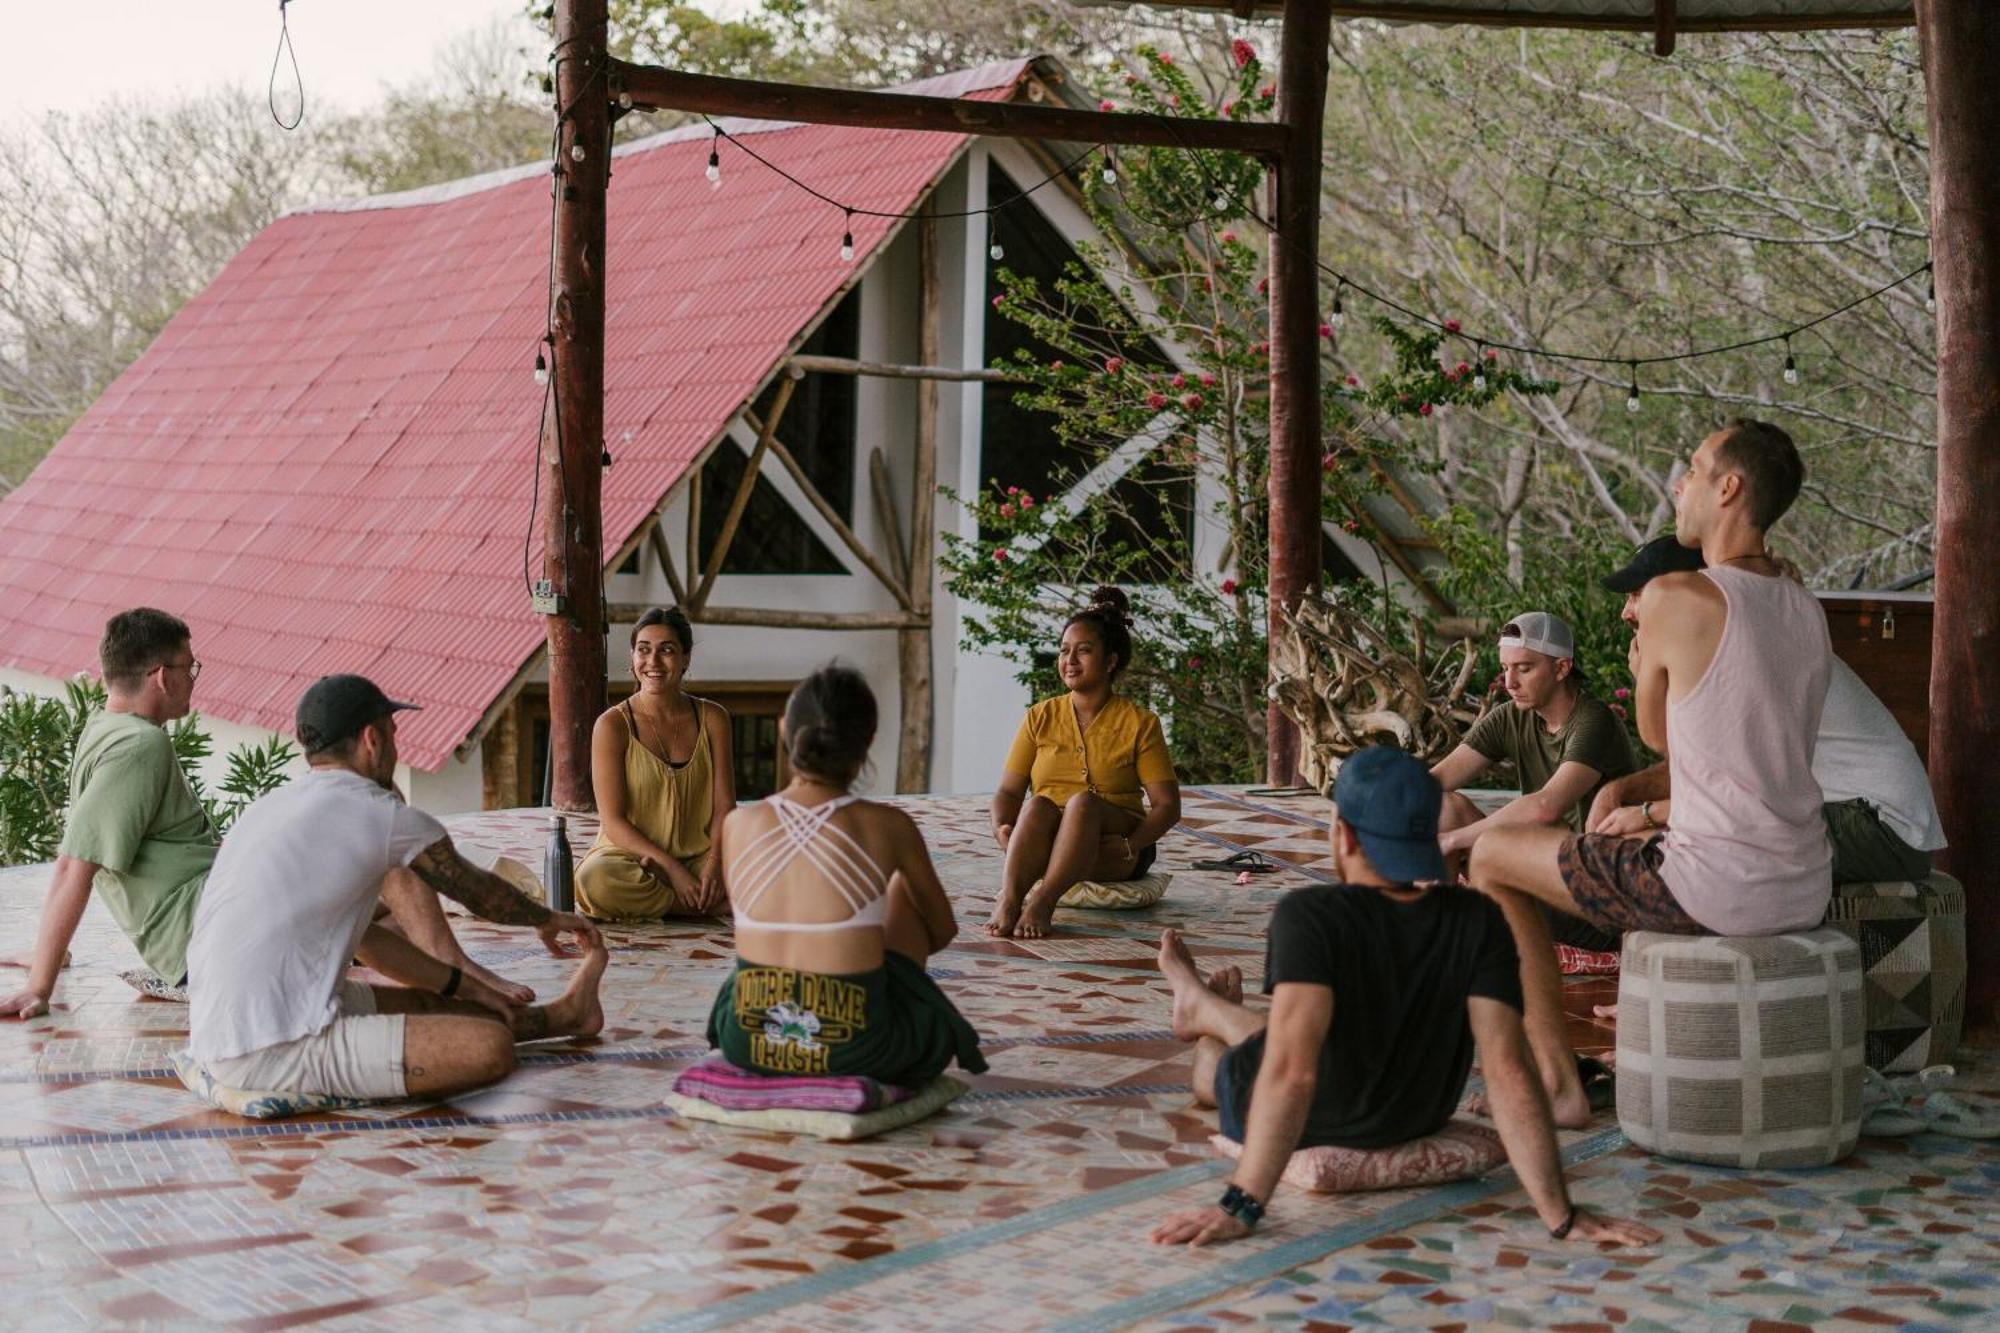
(576, 152)
(624, 99)
(1110, 171)
(847, 247)
(1479, 381)
(714, 172)
(1791, 370)
(1632, 401)
(541, 370)
(996, 252)
(1338, 316)
(1221, 201)
(1930, 298)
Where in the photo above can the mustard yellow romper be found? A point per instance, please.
(672, 806)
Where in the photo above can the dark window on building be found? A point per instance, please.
(819, 429)
(630, 565)
(1019, 446)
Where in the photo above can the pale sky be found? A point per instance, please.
(70, 55)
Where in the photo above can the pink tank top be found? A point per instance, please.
(1747, 852)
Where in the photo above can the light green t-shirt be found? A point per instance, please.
(1590, 736)
(132, 813)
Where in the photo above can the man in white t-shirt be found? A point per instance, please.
(1880, 815)
(292, 899)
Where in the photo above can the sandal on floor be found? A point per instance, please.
(1255, 862)
(1600, 1084)
(1944, 1113)
(1884, 1113)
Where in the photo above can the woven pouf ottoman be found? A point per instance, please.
(1741, 1051)
(1912, 938)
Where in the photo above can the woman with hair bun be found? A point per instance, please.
(837, 908)
(1089, 756)
(660, 763)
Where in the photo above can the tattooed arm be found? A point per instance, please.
(492, 898)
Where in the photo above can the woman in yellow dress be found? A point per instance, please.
(661, 765)
(1104, 791)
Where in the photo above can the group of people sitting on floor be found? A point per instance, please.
(1783, 774)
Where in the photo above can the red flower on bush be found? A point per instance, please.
(1268, 91)
(1006, 511)
(1263, 286)
(1228, 110)
(1113, 365)
(1349, 526)
(1326, 462)
(1423, 409)
(1192, 402)
(1027, 502)
(1229, 238)
(1165, 59)
(1353, 383)
(1621, 693)
(1492, 354)
(1451, 326)
(1207, 380)
(1618, 711)
(1194, 664)
(1242, 52)
(1326, 330)
(1461, 368)
(1156, 401)
(1229, 587)
(1131, 80)
(1107, 105)
(1180, 381)
(1001, 555)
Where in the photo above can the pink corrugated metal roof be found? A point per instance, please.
(323, 461)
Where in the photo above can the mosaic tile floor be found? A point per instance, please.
(568, 1196)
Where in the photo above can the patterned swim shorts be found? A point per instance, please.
(1616, 883)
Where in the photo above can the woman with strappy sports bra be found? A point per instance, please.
(1104, 786)
(837, 907)
(660, 763)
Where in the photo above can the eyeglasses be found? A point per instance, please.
(192, 666)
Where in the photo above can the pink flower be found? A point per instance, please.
(1001, 555)
(1242, 52)
(1013, 490)
(997, 300)
(1107, 105)
(1621, 693)
(1268, 91)
(1451, 326)
(1194, 664)
(1461, 368)
(1027, 502)
(1326, 462)
(1055, 365)
(1229, 238)
(1131, 80)
(1166, 59)
(1423, 409)
(1326, 330)
(1353, 383)
(1006, 511)
(1207, 380)
(1618, 711)
(1263, 286)
(1173, 99)
(1156, 401)
(1192, 402)
(1228, 110)
(1263, 349)
(1492, 353)
(1229, 587)
(1349, 526)
(1180, 381)
(1114, 364)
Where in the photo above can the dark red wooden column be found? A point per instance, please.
(1961, 52)
(1295, 319)
(572, 528)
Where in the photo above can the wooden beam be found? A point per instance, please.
(842, 365)
(767, 436)
(694, 488)
(913, 646)
(572, 526)
(886, 518)
(665, 556)
(677, 90)
(758, 617)
(871, 561)
(1516, 18)
(1294, 484)
(1664, 17)
(1961, 52)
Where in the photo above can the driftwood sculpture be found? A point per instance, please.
(1346, 687)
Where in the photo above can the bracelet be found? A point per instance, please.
(1646, 813)
(1237, 1202)
(450, 988)
(1562, 1232)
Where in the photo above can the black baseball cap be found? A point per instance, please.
(1391, 801)
(1662, 555)
(334, 708)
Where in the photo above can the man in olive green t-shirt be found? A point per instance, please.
(1563, 742)
(138, 837)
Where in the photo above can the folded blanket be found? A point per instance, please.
(720, 1083)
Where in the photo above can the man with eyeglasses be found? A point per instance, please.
(138, 836)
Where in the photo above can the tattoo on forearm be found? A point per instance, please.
(485, 894)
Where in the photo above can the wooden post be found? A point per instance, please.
(572, 532)
(1295, 407)
(1961, 51)
(913, 646)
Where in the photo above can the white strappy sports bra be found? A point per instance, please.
(809, 831)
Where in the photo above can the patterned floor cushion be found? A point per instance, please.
(1459, 1151)
(838, 1126)
(154, 986)
(1117, 895)
(1912, 938)
(251, 1104)
(1741, 1051)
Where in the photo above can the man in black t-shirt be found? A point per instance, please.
(1381, 987)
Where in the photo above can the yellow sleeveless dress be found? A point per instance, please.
(673, 807)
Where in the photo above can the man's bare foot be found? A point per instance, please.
(1005, 913)
(579, 1012)
(1228, 983)
(1177, 966)
(1037, 913)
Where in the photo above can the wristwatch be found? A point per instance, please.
(1239, 1205)
(1646, 813)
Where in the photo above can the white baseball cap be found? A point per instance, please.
(1539, 632)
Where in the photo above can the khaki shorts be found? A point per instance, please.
(359, 1054)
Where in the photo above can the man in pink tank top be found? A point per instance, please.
(1731, 666)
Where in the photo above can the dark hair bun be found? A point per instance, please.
(1112, 601)
(830, 723)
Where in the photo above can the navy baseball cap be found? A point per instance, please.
(1662, 555)
(1391, 801)
(336, 707)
